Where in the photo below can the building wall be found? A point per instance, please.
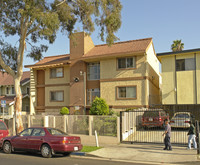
(108, 69)
(198, 76)
(108, 91)
(187, 86)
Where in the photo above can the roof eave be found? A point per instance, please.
(106, 56)
(47, 65)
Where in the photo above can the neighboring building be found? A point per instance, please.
(125, 74)
(181, 78)
(7, 92)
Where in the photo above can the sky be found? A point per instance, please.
(163, 20)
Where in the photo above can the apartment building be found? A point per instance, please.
(180, 77)
(7, 92)
(125, 74)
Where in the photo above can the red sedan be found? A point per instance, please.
(48, 141)
(3, 130)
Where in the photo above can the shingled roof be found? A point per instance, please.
(6, 79)
(131, 46)
(51, 60)
(119, 48)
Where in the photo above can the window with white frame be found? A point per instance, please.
(92, 94)
(57, 96)
(56, 72)
(93, 71)
(128, 62)
(128, 92)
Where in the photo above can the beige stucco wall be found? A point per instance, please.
(186, 90)
(168, 82)
(108, 92)
(198, 77)
(59, 88)
(63, 80)
(152, 59)
(109, 69)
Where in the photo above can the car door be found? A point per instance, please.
(36, 139)
(21, 141)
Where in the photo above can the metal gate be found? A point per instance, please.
(147, 126)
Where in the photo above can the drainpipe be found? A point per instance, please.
(195, 75)
(175, 78)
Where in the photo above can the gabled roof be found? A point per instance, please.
(51, 60)
(119, 48)
(6, 79)
(131, 46)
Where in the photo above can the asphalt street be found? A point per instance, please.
(23, 158)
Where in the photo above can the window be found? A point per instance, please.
(56, 72)
(185, 64)
(26, 132)
(57, 95)
(38, 132)
(91, 95)
(55, 132)
(128, 62)
(13, 90)
(28, 90)
(127, 92)
(2, 126)
(93, 71)
(7, 90)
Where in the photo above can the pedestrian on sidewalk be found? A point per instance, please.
(167, 134)
(191, 136)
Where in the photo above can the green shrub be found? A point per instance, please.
(99, 107)
(64, 111)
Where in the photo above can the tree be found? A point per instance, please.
(99, 107)
(177, 46)
(35, 20)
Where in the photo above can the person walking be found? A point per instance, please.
(167, 134)
(191, 136)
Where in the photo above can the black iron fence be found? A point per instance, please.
(147, 125)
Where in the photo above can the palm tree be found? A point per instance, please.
(177, 46)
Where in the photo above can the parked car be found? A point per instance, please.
(154, 118)
(3, 130)
(48, 141)
(181, 120)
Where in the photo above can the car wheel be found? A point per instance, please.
(46, 151)
(7, 147)
(67, 153)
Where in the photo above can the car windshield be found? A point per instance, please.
(2, 126)
(56, 132)
(151, 114)
(182, 116)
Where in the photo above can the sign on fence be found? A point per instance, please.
(3, 103)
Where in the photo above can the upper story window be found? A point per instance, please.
(56, 72)
(128, 62)
(57, 96)
(7, 90)
(128, 92)
(13, 90)
(93, 71)
(185, 64)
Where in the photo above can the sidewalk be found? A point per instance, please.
(147, 153)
